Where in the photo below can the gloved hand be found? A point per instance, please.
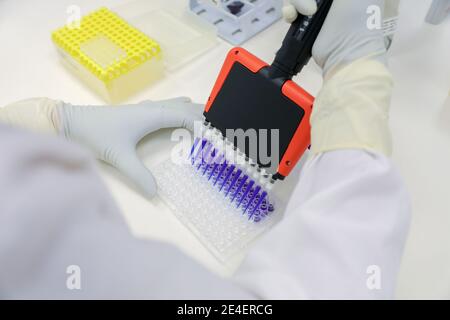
(351, 110)
(112, 133)
(345, 35)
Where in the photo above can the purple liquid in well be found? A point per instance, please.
(231, 181)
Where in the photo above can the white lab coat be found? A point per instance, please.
(348, 216)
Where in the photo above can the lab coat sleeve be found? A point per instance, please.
(347, 221)
(57, 222)
(342, 236)
(61, 235)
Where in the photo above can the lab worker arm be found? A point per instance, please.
(346, 224)
(342, 236)
(111, 133)
(62, 237)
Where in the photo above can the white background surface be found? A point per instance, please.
(420, 120)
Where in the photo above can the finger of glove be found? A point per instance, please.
(305, 7)
(132, 168)
(180, 104)
(172, 113)
(177, 112)
(289, 13)
(133, 122)
(176, 100)
(183, 116)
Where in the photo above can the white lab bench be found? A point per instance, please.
(420, 124)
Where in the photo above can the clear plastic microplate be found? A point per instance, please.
(206, 212)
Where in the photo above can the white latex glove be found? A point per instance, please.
(345, 36)
(351, 110)
(293, 7)
(438, 12)
(112, 133)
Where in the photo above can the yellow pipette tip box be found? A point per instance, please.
(112, 57)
